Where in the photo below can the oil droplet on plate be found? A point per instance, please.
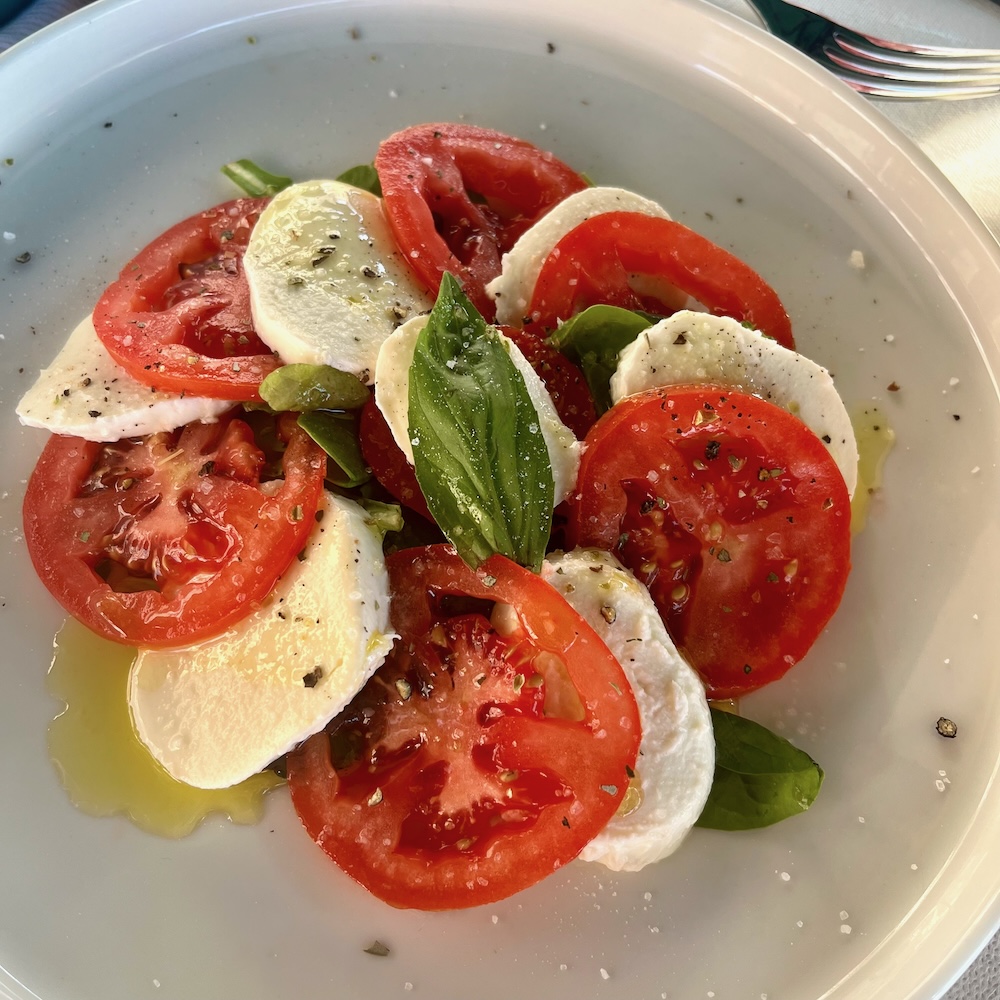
(875, 440)
(102, 764)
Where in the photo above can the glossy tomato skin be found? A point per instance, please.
(733, 514)
(565, 382)
(456, 781)
(168, 539)
(178, 315)
(458, 196)
(603, 260)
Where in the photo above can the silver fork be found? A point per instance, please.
(881, 68)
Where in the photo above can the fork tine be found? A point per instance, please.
(873, 86)
(938, 71)
(864, 46)
(880, 68)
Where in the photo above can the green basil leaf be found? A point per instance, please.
(256, 181)
(760, 778)
(382, 517)
(593, 339)
(313, 387)
(337, 434)
(362, 176)
(479, 454)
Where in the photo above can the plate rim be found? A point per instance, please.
(102, 15)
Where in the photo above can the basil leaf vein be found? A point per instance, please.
(479, 454)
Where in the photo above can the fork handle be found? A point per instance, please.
(801, 28)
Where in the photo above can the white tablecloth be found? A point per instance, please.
(962, 138)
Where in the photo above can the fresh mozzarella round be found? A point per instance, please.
(392, 396)
(327, 284)
(676, 763)
(521, 264)
(215, 713)
(698, 347)
(85, 393)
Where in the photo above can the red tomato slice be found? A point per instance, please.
(168, 539)
(471, 765)
(565, 382)
(178, 317)
(733, 514)
(638, 262)
(387, 461)
(458, 196)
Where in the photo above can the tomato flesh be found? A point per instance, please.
(458, 196)
(639, 262)
(732, 513)
(455, 778)
(178, 316)
(565, 382)
(167, 539)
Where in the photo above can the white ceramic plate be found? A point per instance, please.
(113, 125)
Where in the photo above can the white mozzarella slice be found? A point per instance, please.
(86, 393)
(215, 713)
(392, 396)
(676, 764)
(521, 264)
(327, 284)
(698, 347)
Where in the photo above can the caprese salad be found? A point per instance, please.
(471, 492)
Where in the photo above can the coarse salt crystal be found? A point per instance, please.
(605, 974)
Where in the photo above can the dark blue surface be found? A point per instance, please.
(8, 8)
